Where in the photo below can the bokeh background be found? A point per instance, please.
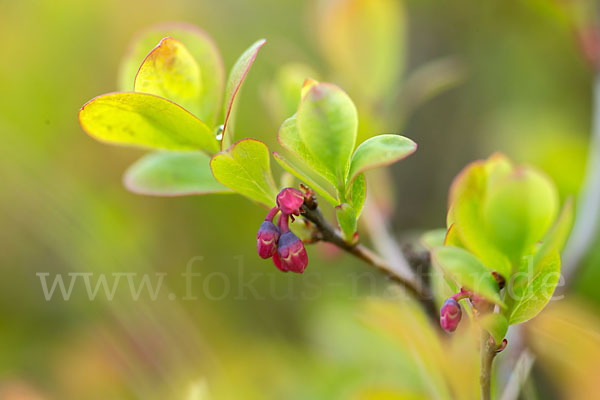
(504, 76)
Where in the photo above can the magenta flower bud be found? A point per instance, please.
(290, 200)
(266, 239)
(450, 315)
(291, 253)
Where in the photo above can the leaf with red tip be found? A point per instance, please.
(170, 71)
(204, 51)
(145, 120)
(172, 174)
(234, 82)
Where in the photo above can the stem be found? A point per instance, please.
(284, 224)
(488, 352)
(329, 234)
(385, 244)
(272, 214)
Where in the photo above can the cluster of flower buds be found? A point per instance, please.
(277, 241)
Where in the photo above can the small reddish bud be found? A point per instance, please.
(502, 345)
(266, 239)
(291, 253)
(290, 200)
(450, 315)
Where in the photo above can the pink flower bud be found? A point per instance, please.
(266, 239)
(450, 315)
(290, 200)
(291, 253)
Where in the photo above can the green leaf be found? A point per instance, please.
(467, 271)
(518, 210)
(234, 83)
(204, 51)
(434, 238)
(290, 139)
(145, 120)
(289, 167)
(327, 124)
(358, 194)
(170, 71)
(464, 218)
(364, 41)
(530, 289)
(556, 238)
(495, 324)
(172, 174)
(379, 151)
(347, 220)
(245, 168)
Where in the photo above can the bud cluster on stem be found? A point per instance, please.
(277, 241)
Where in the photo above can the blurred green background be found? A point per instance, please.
(524, 89)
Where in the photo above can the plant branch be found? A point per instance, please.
(487, 353)
(327, 233)
(385, 244)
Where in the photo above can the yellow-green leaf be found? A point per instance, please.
(145, 120)
(245, 168)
